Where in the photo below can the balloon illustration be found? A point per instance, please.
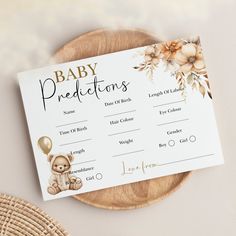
(45, 144)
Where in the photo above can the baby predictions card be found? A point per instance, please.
(120, 118)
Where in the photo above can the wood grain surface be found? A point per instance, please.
(133, 195)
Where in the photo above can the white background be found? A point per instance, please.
(31, 31)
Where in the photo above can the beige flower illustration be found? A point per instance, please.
(169, 49)
(170, 65)
(152, 54)
(183, 59)
(190, 58)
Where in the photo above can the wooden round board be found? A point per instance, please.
(133, 195)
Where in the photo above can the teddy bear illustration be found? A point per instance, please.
(61, 179)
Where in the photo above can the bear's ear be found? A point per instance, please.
(71, 158)
(50, 156)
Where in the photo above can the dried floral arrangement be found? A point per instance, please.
(183, 59)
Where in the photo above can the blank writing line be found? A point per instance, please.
(83, 162)
(84, 140)
(124, 132)
(188, 159)
(168, 103)
(127, 153)
(71, 123)
(172, 122)
(120, 113)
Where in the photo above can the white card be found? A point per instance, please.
(120, 118)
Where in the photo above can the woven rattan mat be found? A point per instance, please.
(18, 217)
